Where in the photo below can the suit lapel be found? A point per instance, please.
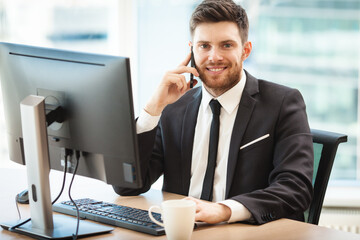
(187, 138)
(246, 107)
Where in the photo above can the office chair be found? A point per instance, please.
(325, 147)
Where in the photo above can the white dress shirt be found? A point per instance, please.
(229, 105)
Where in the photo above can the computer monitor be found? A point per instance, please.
(95, 92)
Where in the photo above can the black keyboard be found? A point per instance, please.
(112, 214)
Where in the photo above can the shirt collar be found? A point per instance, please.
(230, 99)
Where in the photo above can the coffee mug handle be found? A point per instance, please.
(151, 216)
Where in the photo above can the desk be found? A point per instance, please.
(13, 181)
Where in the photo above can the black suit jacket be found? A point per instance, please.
(272, 178)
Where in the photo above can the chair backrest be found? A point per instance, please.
(325, 147)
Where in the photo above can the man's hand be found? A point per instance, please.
(210, 212)
(171, 88)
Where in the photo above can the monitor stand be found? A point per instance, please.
(43, 224)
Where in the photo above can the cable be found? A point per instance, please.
(64, 180)
(67, 154)
(17, 205)
(77, 157)
(18, 225)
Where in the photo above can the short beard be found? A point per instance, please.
(231, 80)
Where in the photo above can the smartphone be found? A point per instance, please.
(192, 64)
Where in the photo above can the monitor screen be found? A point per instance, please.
(95, 90)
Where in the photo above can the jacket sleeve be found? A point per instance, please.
(151, 162)
(289, 192)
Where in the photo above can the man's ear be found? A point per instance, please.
(246, 50)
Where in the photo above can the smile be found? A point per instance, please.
(216, 69)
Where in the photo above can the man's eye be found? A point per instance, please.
(204, 46)
(227, 45)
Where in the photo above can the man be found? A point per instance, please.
(264, 158)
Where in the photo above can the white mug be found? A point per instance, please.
(178, 217)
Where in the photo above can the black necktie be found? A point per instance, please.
(207, 190)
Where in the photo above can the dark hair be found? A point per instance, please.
(220, 10)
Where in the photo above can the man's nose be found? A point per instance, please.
(215, 55)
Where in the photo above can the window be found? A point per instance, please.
(312, 45)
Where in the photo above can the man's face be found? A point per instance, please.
(219, 55)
